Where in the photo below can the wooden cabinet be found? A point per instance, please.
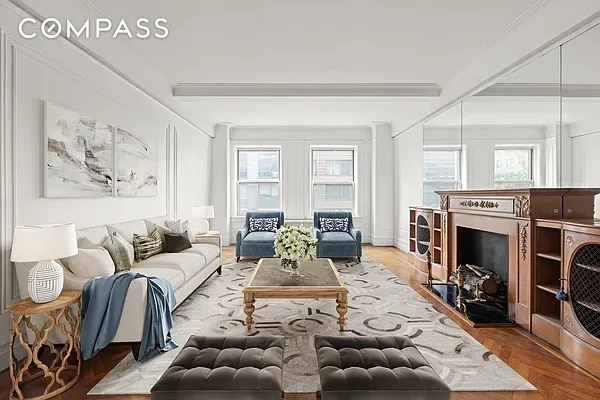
(427, 234)
(580, 337)
(547, 272)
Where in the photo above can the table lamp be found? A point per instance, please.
(203, 213)
(44, 244)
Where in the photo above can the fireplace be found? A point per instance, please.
(482, 248)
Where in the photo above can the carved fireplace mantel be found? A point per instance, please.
(517, 233)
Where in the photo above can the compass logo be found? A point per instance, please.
(51, 28)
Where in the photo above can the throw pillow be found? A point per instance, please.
(334, 224)
(146, 246)
(151, 226)
(181, 226)
(263, 224)
(120, 250)
(91, 261)
(176, 242)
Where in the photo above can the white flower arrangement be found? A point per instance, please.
(293, 243)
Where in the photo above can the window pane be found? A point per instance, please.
(441, 165)
(333, 197)
(258, 196)
(255, 164)
(512, 165)
(333, 166)
(430, 198)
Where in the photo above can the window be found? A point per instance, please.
(441, 171)
(258, 180)
(333, 179)
(513, 168)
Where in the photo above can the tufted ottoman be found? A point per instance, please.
(220, 368)
(375, 368)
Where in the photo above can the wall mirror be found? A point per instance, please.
(511, 130)
(581, 110)
(442, 155)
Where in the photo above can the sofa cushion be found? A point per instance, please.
(95, 234)
(209, 251)
(91, 261)
(127, 229)
(337, 237)
(188, 263)
(147, 246)
(120, 250)
(174, 276)
(176, 242)
(260, 237)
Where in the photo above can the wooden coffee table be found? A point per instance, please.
(319, 279)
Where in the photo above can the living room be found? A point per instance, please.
(212, 117)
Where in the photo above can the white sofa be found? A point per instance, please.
(185, 271)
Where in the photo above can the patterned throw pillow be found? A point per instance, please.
(263, 224)
(334, 224)
(120, 251)
(147, 246)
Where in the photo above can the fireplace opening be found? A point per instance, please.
(484, 249)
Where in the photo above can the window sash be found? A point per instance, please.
(333, 179)
(529, 178)
(259, 182)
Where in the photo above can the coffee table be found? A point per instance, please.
(319, 279)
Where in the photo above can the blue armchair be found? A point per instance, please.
(336, 243)
(258, 243)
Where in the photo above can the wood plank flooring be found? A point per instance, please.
(553, 375)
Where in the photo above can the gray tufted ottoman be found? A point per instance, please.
(219, 368)
(375, 368)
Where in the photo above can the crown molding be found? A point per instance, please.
(541, 90)
(306, 90)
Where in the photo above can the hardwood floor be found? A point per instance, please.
(554, 376)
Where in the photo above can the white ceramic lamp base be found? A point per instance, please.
(45, 281)
(203, 226)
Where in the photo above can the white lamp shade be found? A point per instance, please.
(43, 242)
(203, 212)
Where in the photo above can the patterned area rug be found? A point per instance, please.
(379, 304)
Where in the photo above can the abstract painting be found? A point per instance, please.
(78, 156)
(136, 166)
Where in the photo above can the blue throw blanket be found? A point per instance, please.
(102, 302)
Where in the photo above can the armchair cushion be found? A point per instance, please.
(333, 224)
(260, 237)
(336, 237)
(263, 224)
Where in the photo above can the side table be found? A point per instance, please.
(58, 315)
(211, 237)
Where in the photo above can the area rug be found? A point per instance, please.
(379, 304)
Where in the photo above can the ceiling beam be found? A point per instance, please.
(306, 90)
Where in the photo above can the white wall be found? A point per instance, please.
(295, 143)
(37, 70)
(408, 169)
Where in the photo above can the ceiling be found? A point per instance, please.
(316, 41)
(397, 43)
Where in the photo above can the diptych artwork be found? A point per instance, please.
(89, 158)
(136, 166)
(79, 156)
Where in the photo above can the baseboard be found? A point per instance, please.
(4, 353)
(382, 241)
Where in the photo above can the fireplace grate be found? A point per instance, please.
(584, 282)
(423, 235)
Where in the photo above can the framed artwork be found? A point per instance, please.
(78, 156)
(136, 166)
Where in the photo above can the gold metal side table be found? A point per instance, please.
(52, 372)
